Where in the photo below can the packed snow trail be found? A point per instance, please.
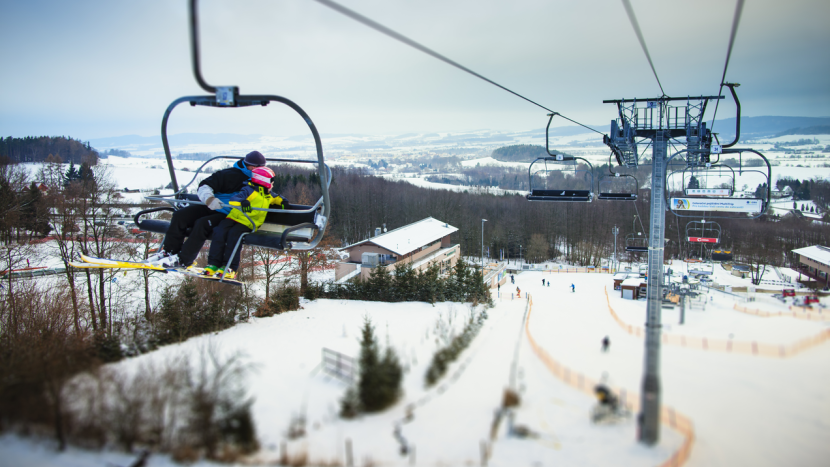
(746, 410)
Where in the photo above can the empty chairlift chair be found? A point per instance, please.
(618, 187)
(557, 177)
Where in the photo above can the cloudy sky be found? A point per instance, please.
(95, 68)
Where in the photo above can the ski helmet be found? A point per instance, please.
(262, 176)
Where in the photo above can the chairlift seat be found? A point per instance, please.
(638, 249)
(268, 235)
(561, 195)
(618, 196)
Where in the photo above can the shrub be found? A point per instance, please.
(446, 355)
(380, 377)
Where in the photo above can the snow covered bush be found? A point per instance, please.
(280, 300)
(181, 406)
(446, 355)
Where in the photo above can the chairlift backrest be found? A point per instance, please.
(608, 189)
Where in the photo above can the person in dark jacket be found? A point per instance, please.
(201, 219)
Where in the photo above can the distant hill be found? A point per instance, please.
(520, 153)
(810, 130)
(767, 127)
(176, 140)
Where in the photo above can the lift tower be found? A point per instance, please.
(660, 122)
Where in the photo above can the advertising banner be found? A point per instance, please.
(703, 240)
(725, 205)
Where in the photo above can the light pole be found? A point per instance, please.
(520, 256)
(615, 231)
(482, 243)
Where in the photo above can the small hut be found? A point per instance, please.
(632, 289)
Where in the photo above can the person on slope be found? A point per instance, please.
(225, 235)
(213, 191)
(573, 288)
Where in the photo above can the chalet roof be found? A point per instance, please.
(818, 253)
(410, 237)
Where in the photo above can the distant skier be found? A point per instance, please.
(512, 279)
(518, 292)
(573, 288)
(543, 282)
(548, 283)
(606, 343)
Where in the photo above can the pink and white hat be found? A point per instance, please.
(262, 176)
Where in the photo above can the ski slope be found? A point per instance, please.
(745, 409)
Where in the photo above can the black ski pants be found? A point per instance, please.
(201, 220)
(225, 236)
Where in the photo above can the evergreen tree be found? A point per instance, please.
(379, 285)
(380, 378)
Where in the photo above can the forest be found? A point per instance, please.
(39, 148)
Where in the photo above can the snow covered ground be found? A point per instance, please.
(746, 410)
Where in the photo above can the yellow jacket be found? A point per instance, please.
(259, 197)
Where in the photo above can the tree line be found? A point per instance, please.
(38, 148)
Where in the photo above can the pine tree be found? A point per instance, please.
(380, 378)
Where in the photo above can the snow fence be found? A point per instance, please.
(759, 349)
(576, 380)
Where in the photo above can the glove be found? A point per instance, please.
(282, 202)
(213, 203)
(246, 205)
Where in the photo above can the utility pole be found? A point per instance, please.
(656, 120)
(482, 244)
(615, 231)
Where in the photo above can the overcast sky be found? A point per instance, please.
(91, 69)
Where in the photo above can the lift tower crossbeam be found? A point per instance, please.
(657, 120)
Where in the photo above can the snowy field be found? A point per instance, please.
(745, 409)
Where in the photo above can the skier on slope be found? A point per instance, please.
(225, 235)
(201, 219)
(573, 288)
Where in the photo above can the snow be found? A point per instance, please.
(745, 409)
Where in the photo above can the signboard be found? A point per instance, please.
(703, 240)
(716, 149)
(651, 104)
(724, 205)
(708, 192)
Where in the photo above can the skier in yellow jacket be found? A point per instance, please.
(225, 235)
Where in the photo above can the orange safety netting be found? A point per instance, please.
(576, 380)
(750, 348)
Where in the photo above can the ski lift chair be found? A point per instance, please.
(608, 190)
(717, 201)
(559, 160)
(636, 244)
(300, 227)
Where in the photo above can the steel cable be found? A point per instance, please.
(401, 38)
(631, 17)
(735, 22)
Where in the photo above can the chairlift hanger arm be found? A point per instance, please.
(732, 87)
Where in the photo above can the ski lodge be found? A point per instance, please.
(421, 243)
(814, 262)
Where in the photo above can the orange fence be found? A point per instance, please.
(576, 380)
(759, 349)
(602, 270)
(797, 312)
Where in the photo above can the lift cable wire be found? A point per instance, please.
(400, 37)
(636, 26)
(735, 21)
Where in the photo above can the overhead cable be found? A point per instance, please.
(401, 38)
(735, 22)
(630, 11)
